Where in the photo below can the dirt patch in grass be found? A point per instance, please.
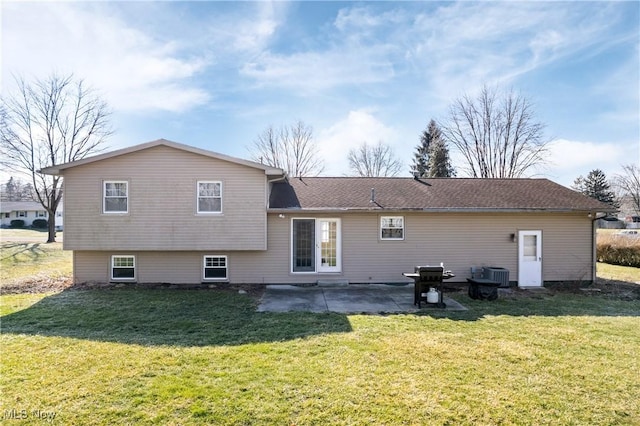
(49, 285)
(613, 289)
(39, 285)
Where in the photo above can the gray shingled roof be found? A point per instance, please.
(455, 194)
(13, 206)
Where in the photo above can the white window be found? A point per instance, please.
(116, 197)
(22, 214)
(392, 228)
(209, 197)
(215, 268)
(41, 213)
(123, 268)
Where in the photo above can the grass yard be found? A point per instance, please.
(26, 261)
(617, 272)
(181, 357)
(29, 262)
(125, 356)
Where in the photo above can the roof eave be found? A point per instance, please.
(428, 210)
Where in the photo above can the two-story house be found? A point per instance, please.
(164, 212)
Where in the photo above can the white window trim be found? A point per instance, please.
(382, 218)
(104, 196)
(198, 197)
(112, 267)
(22, 213)
(204, 267)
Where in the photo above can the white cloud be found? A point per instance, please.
(359, 126)
(460, 46)
(134, 70)
(570, 159)
(312, 72)
(247, 28)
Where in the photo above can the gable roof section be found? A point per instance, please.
(20, 206)
(59, 169)
(454, 194)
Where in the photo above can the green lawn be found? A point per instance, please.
(127, 356)
(25, 257)
(181, 357)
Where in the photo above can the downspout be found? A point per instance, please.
(594, 216)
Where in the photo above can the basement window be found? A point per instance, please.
(215, 268)
(123, 268)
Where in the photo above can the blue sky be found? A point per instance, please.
(216, 74)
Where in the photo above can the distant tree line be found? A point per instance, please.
(15, 190)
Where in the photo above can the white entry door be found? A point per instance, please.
(530, 259)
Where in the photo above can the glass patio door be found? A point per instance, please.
(329, 245)
(316, 245)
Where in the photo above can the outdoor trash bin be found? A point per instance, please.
(482, 288)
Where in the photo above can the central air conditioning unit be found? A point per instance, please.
(495, 273)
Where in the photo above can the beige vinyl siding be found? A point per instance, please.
(163, 204)
(459, 240)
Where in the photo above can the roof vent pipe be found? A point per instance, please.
(373, 195)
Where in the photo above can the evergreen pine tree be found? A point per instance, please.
(439, 160)
(595, 185)
(420, 166)
(431, 158)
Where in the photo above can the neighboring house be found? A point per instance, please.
(28, 211)
(164, 212)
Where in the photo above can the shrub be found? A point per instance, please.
(617, 250)
(17, 223)
(40, 224)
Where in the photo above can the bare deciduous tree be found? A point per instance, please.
(291, 148)
(497, 134)
(629, 183)
(374, 161)
(50, 122)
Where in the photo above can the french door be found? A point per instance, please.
(316, 245)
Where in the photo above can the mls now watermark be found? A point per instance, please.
(16, 414)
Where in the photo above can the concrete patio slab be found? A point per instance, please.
(354, 298)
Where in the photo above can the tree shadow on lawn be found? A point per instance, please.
(32, 250)
(165, 317)
(180, 317)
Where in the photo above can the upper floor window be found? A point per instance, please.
(209, 197)
(116, 197)
(392, 228)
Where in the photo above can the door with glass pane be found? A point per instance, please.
(328, 246)
(530, 258)
(315, 245)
